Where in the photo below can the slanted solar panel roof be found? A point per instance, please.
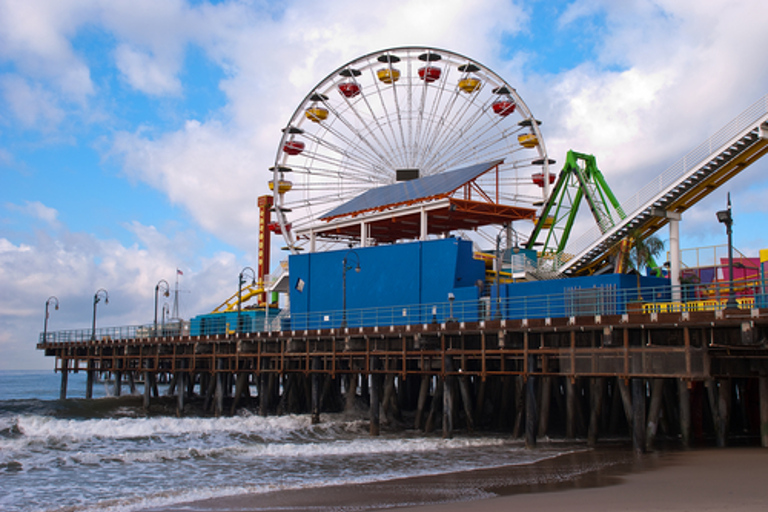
(413, 190)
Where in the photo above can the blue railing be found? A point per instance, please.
(575, 302)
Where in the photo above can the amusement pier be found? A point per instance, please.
(443, 275)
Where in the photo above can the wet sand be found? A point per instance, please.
(612, 479)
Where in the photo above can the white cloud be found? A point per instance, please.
(32, 105)
(146, 73)
(38, 210)
(668, 75)
(72, 266)
(208, 170)
(35, 36)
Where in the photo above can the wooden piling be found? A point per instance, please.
(684, 398)
(657, 386)
(763, 383)
(570, 409)
(64, 378)
(448, 399)
(316, 367)
(546, 398)
(596, 392)
(638, 415)
(421, 403)
(466, 400)
(147, 389)
(531, 414)
(375, 401)
(91, 374)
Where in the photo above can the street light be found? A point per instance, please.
(725, 217)
(96, 299)
(52, 299)
(240, 281)
(166, 293)
(346, 266)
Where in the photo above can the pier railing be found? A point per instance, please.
(575, 302)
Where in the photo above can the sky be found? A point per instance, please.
(136, 135)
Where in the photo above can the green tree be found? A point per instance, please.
(641, 253)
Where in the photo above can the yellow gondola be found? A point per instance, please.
(283, 186)
(388, 75)
(528, 140)
(469, 85)
(317, 114)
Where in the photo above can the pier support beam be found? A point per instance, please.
(570, 409)
(546, 398)
(657, 386)
(684, 397)
(596, 391)
(466, 400)
(316, 367)
(638, 415)
(218, 399)
(719, 394)
(181, 389)
(531, 414)
(764, 411)
(64, 378)
(421, 403)
(375, 404)
(91, 375)
(351, 396)
(448, 399)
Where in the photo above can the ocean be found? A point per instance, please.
(107, 454)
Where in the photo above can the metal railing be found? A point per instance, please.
(103, 334)
(605, 300)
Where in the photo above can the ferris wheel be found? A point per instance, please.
(402, 112)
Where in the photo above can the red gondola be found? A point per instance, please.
(538, 179)
(349, 89)
(429, 73)
(293, 147)
(274, 227)
(504, 107)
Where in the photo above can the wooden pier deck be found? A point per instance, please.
(694, 375)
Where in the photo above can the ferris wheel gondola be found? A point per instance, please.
(409, 111)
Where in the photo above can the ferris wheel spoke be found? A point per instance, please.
(343, 150)
(372, 153)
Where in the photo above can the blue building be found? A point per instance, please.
(395, 284)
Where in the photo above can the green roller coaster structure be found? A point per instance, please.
(580, 180)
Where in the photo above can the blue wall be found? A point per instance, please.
(397, 284)
(607, 294)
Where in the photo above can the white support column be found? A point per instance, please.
(423, 224)
(363, 234)
(674, 258)
(674, 249)
(312, 239)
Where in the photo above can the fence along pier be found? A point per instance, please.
(694, 375)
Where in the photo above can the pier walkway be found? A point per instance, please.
(694, 370)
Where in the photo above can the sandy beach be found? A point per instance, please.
(605, 479)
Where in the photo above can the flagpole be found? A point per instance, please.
(176, 296)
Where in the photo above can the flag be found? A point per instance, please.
(179, 272)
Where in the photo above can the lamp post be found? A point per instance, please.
(51, 300)
(725, 217)
(499, 264)
(166, 293)
(96, 299)
(346, 266)
(240, 281)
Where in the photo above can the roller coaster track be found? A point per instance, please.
(732, 149)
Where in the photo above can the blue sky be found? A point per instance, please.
(135, 135)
